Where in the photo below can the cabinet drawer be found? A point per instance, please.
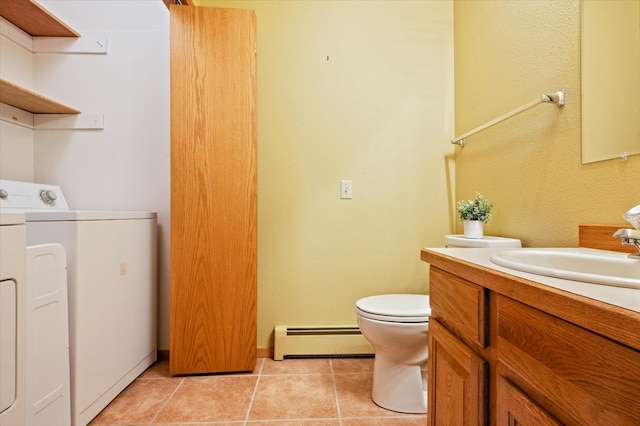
(515, 408)
(460, 305)
(578, 376)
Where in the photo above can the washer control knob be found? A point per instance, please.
(3, 194)
(49, 196)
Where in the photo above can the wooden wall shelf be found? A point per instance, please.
(27, 100)
(33, 19)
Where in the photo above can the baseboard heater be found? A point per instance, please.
(319, 341)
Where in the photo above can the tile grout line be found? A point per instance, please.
(167, 400)
(335, 391)
(336, 368)
(255, 390)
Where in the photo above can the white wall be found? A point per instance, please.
(126, 165)
(16, 152)
(16, 142)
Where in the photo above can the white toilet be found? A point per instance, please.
(396, 325)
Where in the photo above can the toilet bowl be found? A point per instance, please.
(396, 325)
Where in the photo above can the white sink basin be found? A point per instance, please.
(577, 264)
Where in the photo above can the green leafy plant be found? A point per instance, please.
(478, 209)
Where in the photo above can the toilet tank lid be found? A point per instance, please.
(484, 242)
(397, 305)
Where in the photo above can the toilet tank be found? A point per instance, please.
(484, 242)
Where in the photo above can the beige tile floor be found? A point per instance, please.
(293, 392)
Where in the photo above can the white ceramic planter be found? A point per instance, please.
(473, 229)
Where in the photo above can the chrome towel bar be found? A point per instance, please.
(556, 98)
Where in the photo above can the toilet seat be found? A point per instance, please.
(403, 308)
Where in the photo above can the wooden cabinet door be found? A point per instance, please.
(213, 190)
(581, 377)
(514, 408)
(457, 381)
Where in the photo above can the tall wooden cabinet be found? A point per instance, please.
(213, 190)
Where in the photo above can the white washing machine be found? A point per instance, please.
(34, 347)
(112, 289)
(12, 319)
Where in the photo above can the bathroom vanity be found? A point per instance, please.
(508, 347)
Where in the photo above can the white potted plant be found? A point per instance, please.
(474, 214)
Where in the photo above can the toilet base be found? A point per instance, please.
(399, 387)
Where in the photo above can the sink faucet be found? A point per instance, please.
(630, 237)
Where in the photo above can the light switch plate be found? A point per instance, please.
(345, 190)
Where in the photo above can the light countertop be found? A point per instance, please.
(627, 298)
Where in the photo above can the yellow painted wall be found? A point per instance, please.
(358, 90)
(506, 54)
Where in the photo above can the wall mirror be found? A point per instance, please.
(610, 79)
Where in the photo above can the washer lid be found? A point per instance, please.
(85, 215)
(396, 305)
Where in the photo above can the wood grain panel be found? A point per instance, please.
(457, 381)
(27, 100)
(608, 320)
(516, 409)
(581, 377)
(601, 237)
(33, 19)
(213, 190)
(460, 305)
